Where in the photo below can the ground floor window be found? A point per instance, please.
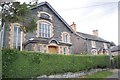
(94, 51)
(39, 48)
(65, 50)
(17, 37)
(1, 36)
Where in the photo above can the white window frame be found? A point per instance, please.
(65, 50)
(17, 36)
(94, 51)
(39, 48)
(2, 35)
(45, 30)
(65, 38)
(93, 44)
(1, 38)
(105, 45)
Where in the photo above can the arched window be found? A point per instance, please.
(65, 38)
(45, 26)
(17, 37)
(94, 51)
(45, 16)
(44, 30)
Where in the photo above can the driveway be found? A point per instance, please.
(116, 74)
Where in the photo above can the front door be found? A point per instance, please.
(53, 49)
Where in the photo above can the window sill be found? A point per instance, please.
(45, 37)
(65, 42)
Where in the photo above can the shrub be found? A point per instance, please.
(8, 57)
(117, 61)
(22, 64)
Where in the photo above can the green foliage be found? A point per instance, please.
(117, 61)
(32, 64)
(15, 12)
(8, 57)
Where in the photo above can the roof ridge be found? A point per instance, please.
(88, 35)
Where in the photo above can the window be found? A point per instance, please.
(94, 51)
(1, 35)
(65, 38)
(45, 16)
(105, 45)
(93, 44)
(17, 37)
(65, 50)
(44, 30)
(1, 38)
(39, 48)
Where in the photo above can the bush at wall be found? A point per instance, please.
(24, 64)
(8, 57)
(117, 61)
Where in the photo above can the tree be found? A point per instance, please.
(1, 1)
(14, 12)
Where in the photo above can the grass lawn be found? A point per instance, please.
(101, 74)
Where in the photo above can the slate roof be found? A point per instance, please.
(36, 40)
(91, 37)
(115, 48)
(44, 41)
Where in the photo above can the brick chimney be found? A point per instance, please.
(73, 26)
(95, 32)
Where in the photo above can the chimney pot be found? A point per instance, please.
(73, 26)
(95, 32)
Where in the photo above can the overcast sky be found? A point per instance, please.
(89, 15)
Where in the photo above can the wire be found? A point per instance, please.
(87, 6)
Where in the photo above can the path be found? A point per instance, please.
(116, 74)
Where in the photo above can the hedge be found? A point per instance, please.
(117, 61)
(23, 64)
